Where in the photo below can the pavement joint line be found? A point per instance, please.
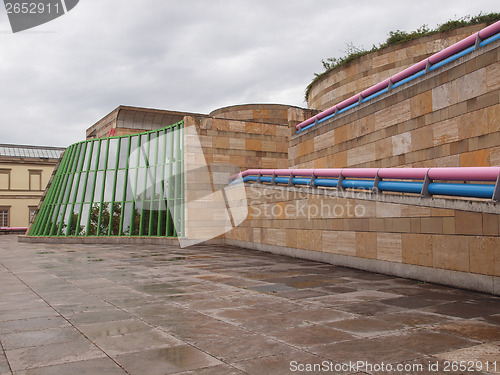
(228, 293)
(126, 311)
(5, 355)
(62, 316)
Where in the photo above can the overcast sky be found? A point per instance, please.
(186, 55)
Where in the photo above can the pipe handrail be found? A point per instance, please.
(424, 181)
(476, 39)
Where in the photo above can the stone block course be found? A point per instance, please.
(433, 237)
(456, 107)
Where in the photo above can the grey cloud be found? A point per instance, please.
(192, 56)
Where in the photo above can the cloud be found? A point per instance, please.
(194, 55)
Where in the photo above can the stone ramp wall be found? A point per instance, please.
(445, 241)
(447, 118)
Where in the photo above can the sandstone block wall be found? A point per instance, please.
(218, 147)
(425, 241)
(448, 118)
(343, 82)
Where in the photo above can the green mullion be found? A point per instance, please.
(169, 232)
(44, 219)
(146, 167)
(104, 172)
(69, 201)
(124, 193)
(113, 194)
(93, 186)
(135, 187)
(181, 129)
(41, 213)
(58, 192)
(69, 185)
(55, 226)
(162, 163)
(153, 188)
(176, 187)
(84, 192)
(81, 161)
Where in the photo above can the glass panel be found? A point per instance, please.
(170, 224)
(73, 187)
(145, 219)
(90, 186)
(139, 192)
(86, 156)
(93, 161)
(127, 218)
(166, 184)
(102, 154)
(83, 219)
(133, 147)
(131, 180)
(94, 219)
(73, 220)
(53, 232)
(69, 188)
(122, 163)
(168, 150)
(53, 217)
(155, 215)
(66, 219)
(105, 217)
(115, 219)
(120, 184)
(136, 221)
(63, 193)
(98, 186)
(161, 148)
(162, 220)
(71, 154)
(81, 187)
(113, 149)
(76, 157)
(153, 145)
(108, 186)
(143, 150)
(148, 188)
(173, 151)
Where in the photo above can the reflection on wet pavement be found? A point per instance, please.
(141, 309)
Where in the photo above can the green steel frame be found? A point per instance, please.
(118, 186)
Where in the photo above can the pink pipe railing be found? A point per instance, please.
(447, 173)
(426, 176)
(437, 57)
(465, 173)
(403, 173)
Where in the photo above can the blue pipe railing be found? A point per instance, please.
(468, 45)
(421, 181)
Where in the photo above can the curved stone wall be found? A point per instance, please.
(345, 81)
(447, 118)
(264, 113)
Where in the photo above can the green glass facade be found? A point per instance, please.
(119, 186)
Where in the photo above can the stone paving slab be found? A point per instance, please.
(221, 310)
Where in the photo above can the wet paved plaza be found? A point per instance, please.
(123, 309)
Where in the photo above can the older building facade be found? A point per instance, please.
(24, 174)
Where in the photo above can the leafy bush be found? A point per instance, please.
(396, 37)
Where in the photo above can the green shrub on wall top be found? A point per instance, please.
(397, 37)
